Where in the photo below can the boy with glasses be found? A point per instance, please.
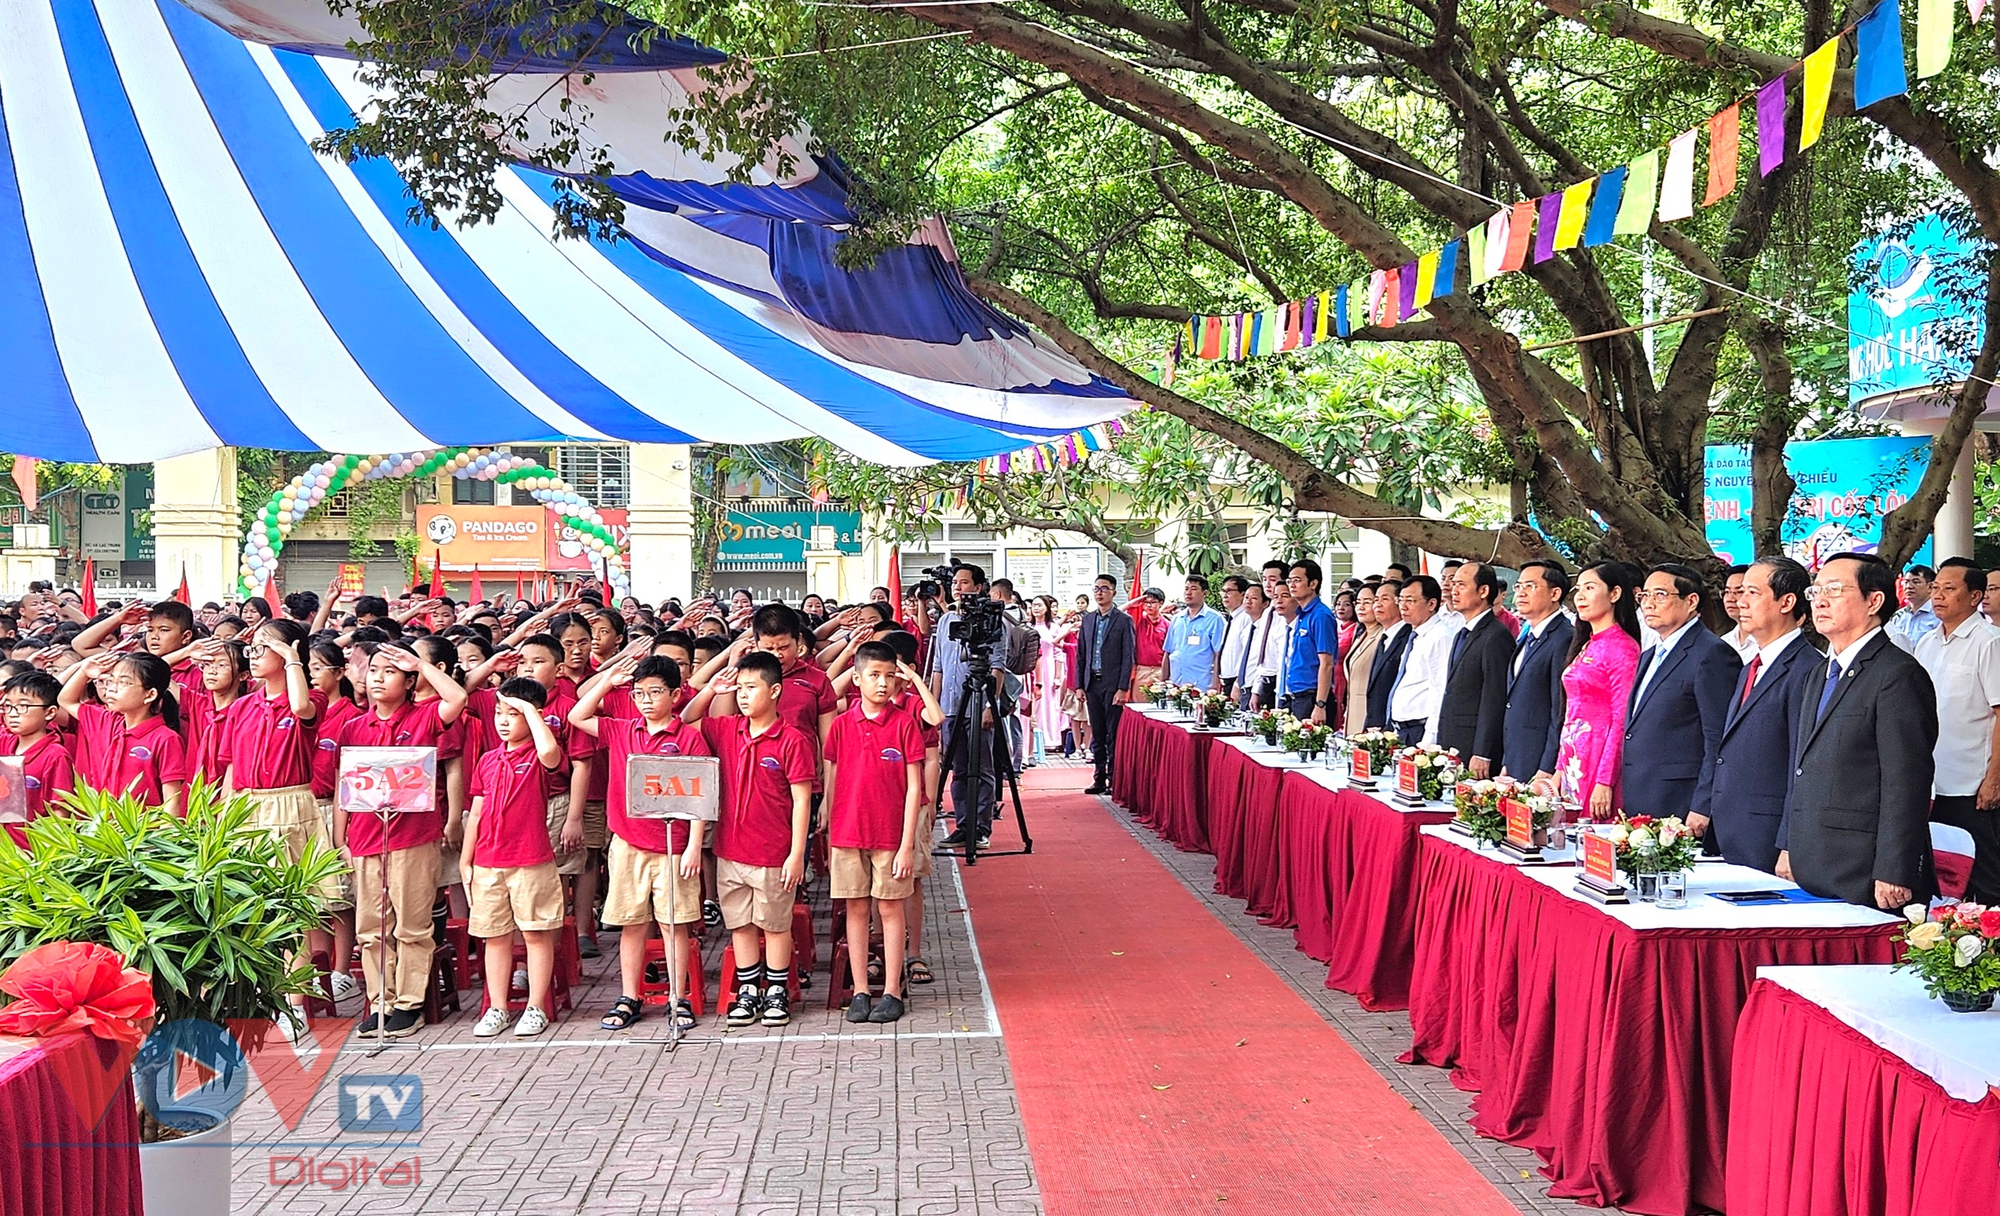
(27, 710)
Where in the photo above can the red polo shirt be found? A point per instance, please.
(513, 827)
(136, 760)
(416, 724)
(871, 758)
(326, 751)
(201, 731)
(808, 694)
(271, 747)
(618, 740)
(755, 825)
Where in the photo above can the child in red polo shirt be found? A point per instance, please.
(130, 743)
(921, 703)
(223, 670)
(760, 835)
(808, 702)
(509, 866)
(875, 790)
(655, 864)
(403, 860)
(27, 710)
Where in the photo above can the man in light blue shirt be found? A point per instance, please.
(1916, 617)
(1194, 639)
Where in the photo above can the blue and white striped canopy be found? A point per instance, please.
(179, 270)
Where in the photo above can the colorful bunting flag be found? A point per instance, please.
(1447, 271)
(1642, 184)
(1934, 34)
(1378, 282)
(1358, 307)
(1818, 88)
(1341, 323)
(1427, 269)
(1211, 337)
(1677, 187)
(1770, 126)
(1325, 314)
(1978, 8)
(1475, 244)
(1723, 137)
(1520, 229)
(1575, 209)
(1878, 55)
(1499, 237)
(1604, 208)
(1294, 314)
(1406, 291)
(1392, 298)
(1549, 210)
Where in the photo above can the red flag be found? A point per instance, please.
(24, 480)
(271, 591)
(517, 586)
(894, 580)
(1520, 230)
(475, 593)
(437, 574)
(184, 595)
(1137, 559)
(88, 591)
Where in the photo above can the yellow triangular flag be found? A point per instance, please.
(1933, 36)
(1575, 210)
(1427, 272)
(1818, 85)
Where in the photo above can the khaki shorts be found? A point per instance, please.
(596, 831)
(292, 815)
(346, 899)
(752, 895)
(448, 875)
(867, 874)
(514, 897)
(926, 864)
(567, 864)
(649, 887)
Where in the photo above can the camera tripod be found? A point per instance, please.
(969, 760)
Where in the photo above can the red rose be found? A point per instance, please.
(1638, 821)
(1942, 913)
(1989, 923)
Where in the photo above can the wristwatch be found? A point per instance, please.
(1319, 704)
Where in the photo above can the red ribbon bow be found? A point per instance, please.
(76, 986)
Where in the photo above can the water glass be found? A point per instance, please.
(1674, 889)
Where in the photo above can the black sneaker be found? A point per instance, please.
(857, 1008)
(586, 947)
(888, 1009)
(404, 1022)
(1097, 787)
(711, 912)
(748, 1006)
(957, 838)
(367, 1025)
(777, 1006)
(985, 842)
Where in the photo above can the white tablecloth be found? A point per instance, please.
(1701, 912)
(1960, 1051)
(1270, 757)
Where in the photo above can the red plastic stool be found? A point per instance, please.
(517, 998)
(727, 995)
(442, 994)
(805, 952)
(320, 1003)
(471, 963)
(569, 957)
(841, 989)
(660, 993)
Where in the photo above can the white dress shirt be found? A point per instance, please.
(1660, 653)
(1421, 687)
(1540, 632)
(1266, 645)
(1767, 655)
(1745, 644)
(1964, 666)
(1233, 643)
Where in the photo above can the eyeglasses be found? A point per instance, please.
(1826, 591)
(14, 709)
(255, 652)
(1657, 596)
(650, 694)
(114, 683)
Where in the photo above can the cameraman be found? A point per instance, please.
(972, 808)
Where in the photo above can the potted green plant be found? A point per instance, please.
(209, 907)
(1955, 947)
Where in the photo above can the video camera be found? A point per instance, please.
(981, 623)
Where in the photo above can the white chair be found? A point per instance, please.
(1954, 850)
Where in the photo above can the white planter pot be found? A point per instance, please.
(189, 1176)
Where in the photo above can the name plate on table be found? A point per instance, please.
(1408, 791)
(13, 790)
(1361, 769)
(387, 780)
(1520, 839)
(1600, 870)
(673, 787)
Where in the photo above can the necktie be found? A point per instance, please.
(1750, 679)
(1527, 647)
(1458, 645)
(1826, 694)
(1243, 669)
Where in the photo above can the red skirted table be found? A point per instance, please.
(57, 1155)
(1854, 1094)
(1242, 773)
(1601, 1038)
(1368, 932)
(1135, 759)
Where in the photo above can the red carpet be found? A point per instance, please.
(1161, 1066)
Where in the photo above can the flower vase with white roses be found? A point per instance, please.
(1477, 806)
(1955, 947)
(1214, 709)
(1266, 723)
(1649, 846)
(1437, 769)
(1380, 746)
(1157, 692)
(1304, 738)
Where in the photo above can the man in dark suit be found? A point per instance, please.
(1678, 702)
(1388, 653)
(1534, 675)
(1472, 717)
(1858, 824)
(1754, 761)
(1106, 649)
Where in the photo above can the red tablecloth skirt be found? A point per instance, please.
(1822, 1122)
(1604, 1050)
(1235, 783)
(1370, 944)
(53, 1159)
(1263, 857)
(1178, 798)
(1135, 762)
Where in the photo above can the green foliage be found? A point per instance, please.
(408, 546)
(370, 503)
(1932, 949)
(207, 905)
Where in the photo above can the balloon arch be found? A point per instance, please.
(323, 479)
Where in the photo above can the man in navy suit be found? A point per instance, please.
(1396, 636)
(1107, 646)
(1679, 701)
(1753, 762)
(1534, 684)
